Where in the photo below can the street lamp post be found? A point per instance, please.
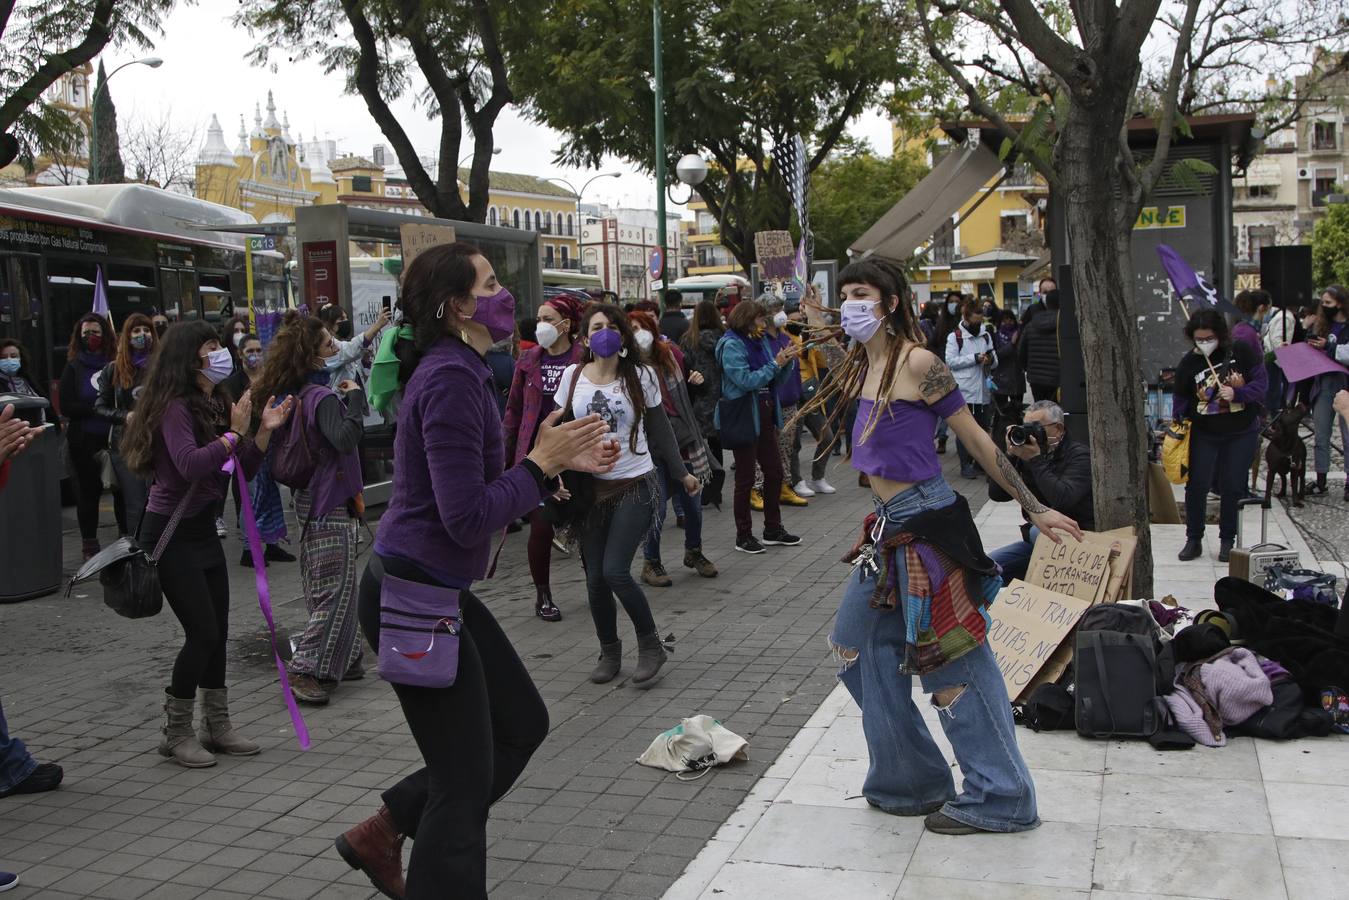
(153, 62)
(659, 78)
(578, 194)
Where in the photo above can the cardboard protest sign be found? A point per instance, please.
(1028, 624)
(775, 254)
(417, 236)
(1078, 569)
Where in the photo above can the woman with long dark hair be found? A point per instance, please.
(750, 367)
(173, 437)
(893, 622)
(531, 398)
(1329, 334)
(668, 362)
(329, 508)
(118, 385)
(91, 348)
(268, 510)
(453, 494)
(700, 355)
(1220, 385)
(613, 383)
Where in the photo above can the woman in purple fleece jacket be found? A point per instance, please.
(452, 493)
(173, 438)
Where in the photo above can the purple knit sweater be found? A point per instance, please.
(452, 491)
(181, 461)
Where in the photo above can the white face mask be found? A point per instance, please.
(1206, 347)
(645, 339)
(779, 319)
(546, 334)
(952, 307)
(239, 337)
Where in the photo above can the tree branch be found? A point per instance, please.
(851, 107)
(1059, 56)
(1147, 180)
(6, 10)
(366, 78)
(58, 64)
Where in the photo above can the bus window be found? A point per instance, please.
(131, 289)
(216, 304)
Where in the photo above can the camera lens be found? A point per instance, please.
(1016, 435)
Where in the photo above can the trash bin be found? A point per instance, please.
(30, 512)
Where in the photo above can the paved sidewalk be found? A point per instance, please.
(1255, 820)
(83, 687)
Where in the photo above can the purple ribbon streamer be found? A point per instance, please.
(265, 598)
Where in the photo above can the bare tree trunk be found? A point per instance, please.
(1099, 237)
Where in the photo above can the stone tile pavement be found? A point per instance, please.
(83, 688)
(1255, 820)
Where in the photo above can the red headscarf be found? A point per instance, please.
(571, 308)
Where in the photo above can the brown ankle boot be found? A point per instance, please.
(376, 848)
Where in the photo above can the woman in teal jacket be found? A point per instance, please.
(750, 368)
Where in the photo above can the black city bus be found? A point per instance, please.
(155, 247)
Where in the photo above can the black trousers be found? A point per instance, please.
(196, 584)
(1227, 458)
(87, 479)
(476, 737)
(1044, 391)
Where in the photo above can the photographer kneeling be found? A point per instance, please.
(1059, 476)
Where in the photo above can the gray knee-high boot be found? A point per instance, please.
(179, 741)
(215, 732)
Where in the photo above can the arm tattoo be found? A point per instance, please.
(937, 382)
(1016, 486)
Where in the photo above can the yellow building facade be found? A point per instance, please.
(702, 240)
(995, 248)
(267, 175)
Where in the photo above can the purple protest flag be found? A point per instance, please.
(101, 297)
(800, 274)
(1193, 288)
(1302, 361)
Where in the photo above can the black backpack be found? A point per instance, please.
(1122, 668)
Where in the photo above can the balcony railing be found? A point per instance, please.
(590, 270)
(1324, 142)
(945, 254)
(631, 271)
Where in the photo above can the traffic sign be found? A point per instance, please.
(657, 263)
(657, 285)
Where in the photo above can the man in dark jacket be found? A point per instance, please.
(1038, 352)
(673, 323)
(1059, 475)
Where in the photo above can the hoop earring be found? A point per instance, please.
(440, 310)
(623, 354)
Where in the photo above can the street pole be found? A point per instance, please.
(660, 142)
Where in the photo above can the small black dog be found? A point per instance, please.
(1286, 454)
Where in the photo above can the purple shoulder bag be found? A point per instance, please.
(419, 626)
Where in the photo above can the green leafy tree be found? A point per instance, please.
(1330, 246)
(852, 189)
(107, 152)
(39, 42)
(1075, 74)
(447, 54)
(740, 76)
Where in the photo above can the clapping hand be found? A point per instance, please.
(276, 414)
(15, 434)
(579, 445)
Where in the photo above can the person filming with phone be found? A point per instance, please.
(1056, 468)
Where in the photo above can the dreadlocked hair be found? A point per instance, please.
(846, 380)
(629, 361)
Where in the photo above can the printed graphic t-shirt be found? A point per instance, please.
(611, 403)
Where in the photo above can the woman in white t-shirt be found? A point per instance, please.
(612, 383)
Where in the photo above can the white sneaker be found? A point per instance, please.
(802, 489)
(821, 487)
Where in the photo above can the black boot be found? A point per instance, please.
(1320, 486)
(544, 607)
(1225, 551)
(247, 558)
(275, 553)
(650, 657)
(611, 660)
(1193, 549)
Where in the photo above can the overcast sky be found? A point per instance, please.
(194, 85)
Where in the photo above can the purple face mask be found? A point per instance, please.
(497, 314)
(606, 343)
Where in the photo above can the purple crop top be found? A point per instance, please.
(900, 447)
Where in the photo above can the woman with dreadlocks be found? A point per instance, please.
(916, 601)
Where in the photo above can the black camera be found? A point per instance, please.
(1019, 435)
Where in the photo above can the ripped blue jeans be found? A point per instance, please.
(908, 774)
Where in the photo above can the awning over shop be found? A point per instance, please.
(974, 274)
(911, 221)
